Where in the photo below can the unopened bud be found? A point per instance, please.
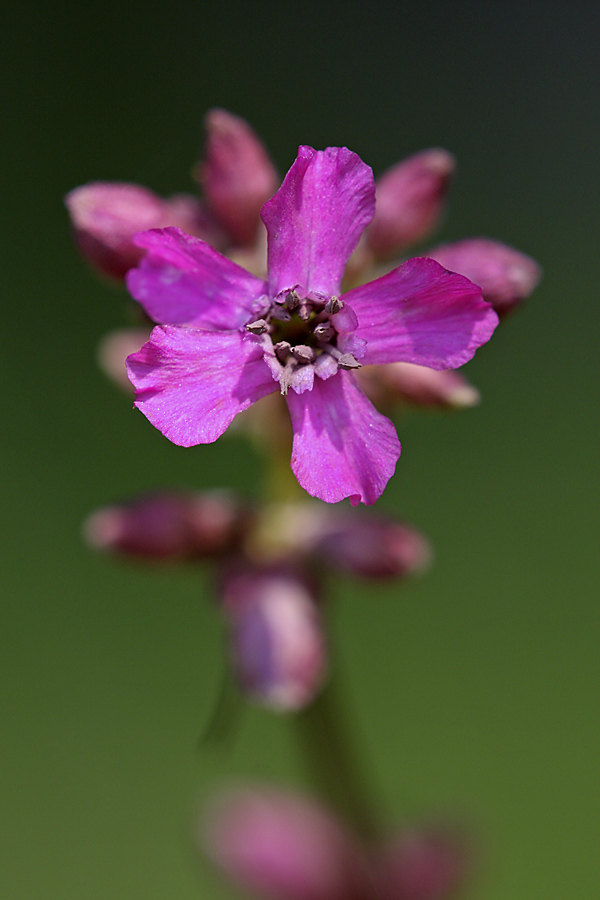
(283, 847)
(168, 526)
(106, 215)
(505, 276)
(278, 641)
(237, 175)
(418, 386)
(410, 199)
(372, 546)
(422, 865)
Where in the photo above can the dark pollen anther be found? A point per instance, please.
(347, 361)
(292, 301)
(334, 305)
(324, 332)
(303, 353)
(282, 351)
(278, 312)
(261, 326)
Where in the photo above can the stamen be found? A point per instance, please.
(278, 312)
(334, 305)
(347, 361)
(282, 351)
(292, 301)
(285, 379)
(261, 326)
(344, 360)
(305, 311)
(324, 331)
(303, 353)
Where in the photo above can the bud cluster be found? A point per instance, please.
(282, 846)
(270, 564)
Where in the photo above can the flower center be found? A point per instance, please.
(299, 331)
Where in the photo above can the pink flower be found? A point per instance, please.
(282, 846)
(228, 338)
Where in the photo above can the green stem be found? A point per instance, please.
(332, 762)
(325, 739)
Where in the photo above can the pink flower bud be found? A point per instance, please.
(418, 386)
(282, 847)
(422, 865)
(277, 637)
(106, 215)
(168, 526)
(409, 201)
(237, 175)
(373, 546)
(505, 276)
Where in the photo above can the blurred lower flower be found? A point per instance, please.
(271, 562)
(277, 639)
(170, 526)
(282, 846)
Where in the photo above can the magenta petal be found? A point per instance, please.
(423, 314)
(342, 446)
(191, 384)
(315, 219)
(183, 281)
(505, 276)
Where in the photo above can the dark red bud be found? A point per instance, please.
(237, 175)
(505, 276)
(169, 526)
(372, 546)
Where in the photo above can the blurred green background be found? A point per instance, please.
(475, 688)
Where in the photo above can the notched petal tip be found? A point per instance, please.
(342, 448)
(315, 219)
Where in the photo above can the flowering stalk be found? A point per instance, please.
(332, 764)
(292, 329)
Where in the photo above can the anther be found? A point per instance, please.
(324, 332)
(261, 326)
(282, 351)
(292, 301)
(334, 305)
(347, 361)
(305, 311)
(279, 313)
(303, 353)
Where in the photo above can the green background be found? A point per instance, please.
(474, 689)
